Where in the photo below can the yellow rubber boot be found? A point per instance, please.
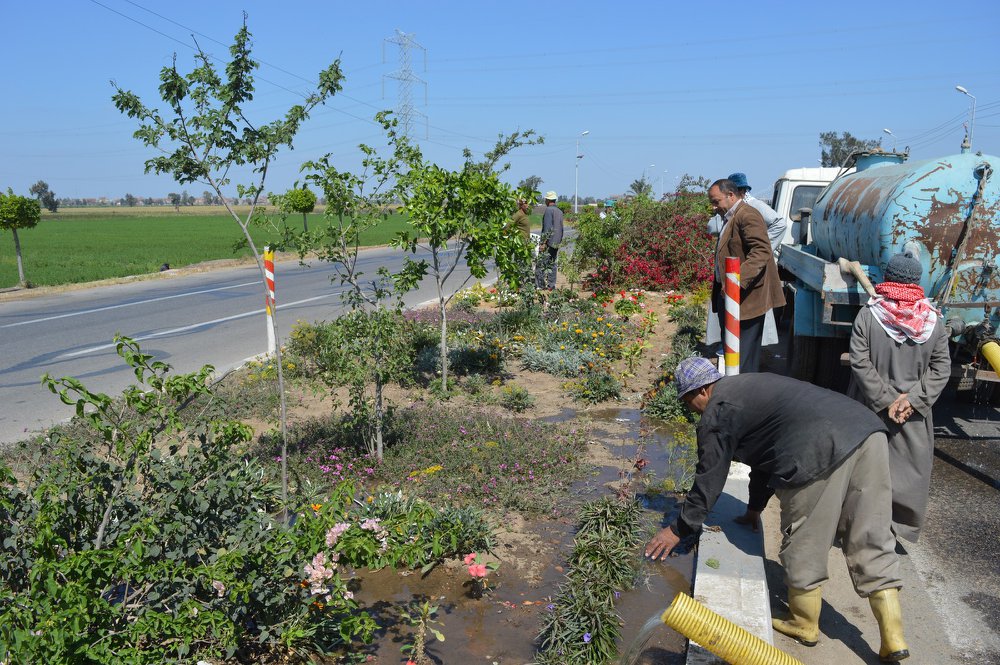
(803, 624)
(885, 607)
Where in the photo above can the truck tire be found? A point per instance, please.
(830, 373)
(802, 355)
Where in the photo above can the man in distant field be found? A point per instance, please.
(825, 457)
(552, 236)
(744, 236)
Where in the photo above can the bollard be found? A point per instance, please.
(269, 298)
(731, 335)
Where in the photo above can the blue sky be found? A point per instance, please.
(663, 88)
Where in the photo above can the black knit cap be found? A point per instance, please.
(903, 269)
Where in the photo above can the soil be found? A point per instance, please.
(500, 625)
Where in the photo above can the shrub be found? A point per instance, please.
(660, 245)
(515, 398)
(596, 386)
(565, 362)
(145, 545)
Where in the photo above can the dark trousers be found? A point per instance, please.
(751, 335)
(545, 268)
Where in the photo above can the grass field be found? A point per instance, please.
(89, 244)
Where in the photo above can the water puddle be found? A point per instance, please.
(500, 626)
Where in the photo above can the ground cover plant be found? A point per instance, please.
(581, 625)
(452, 456)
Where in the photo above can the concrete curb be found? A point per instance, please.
(734, 585)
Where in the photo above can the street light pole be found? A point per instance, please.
(576, 185)
(889, 132)
(972, 122)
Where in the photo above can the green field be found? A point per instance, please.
(86, 245)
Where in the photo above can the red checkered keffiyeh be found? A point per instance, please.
(903, 311)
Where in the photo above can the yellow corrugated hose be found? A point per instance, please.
(724, 638)
(991, 351)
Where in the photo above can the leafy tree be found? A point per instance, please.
(531, 183)
(186, 199)
(208, 132)
(208, 198)
(129, 200)
(297, 199)
(175, 200)
(458, 216)
(46, 197)
(641, 187)
(690, 183)
(148, 200)
(18, 212)
(355, 204)
(836, 150)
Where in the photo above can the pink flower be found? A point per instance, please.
(219, 587)
(477, 570)
(469, 559)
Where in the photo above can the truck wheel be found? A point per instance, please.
(830, 372)
(802, 353)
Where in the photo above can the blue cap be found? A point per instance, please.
(694, 373)
(740, 180)
(609, 203)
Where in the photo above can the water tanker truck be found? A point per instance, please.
(945, 211)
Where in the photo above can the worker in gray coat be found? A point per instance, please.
(824, 456)
(552, 236)
(899, 365)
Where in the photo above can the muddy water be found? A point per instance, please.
(500, 626)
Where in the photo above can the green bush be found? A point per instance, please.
(515, 398)
(597, 386)
(567, 362)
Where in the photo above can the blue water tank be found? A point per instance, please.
(887, 207)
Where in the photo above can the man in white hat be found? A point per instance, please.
(552, 235)
(825, 457)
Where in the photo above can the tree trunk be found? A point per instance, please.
(444, 345)
(305, 223)
(20, 267)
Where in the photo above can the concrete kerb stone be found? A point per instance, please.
(729, 576)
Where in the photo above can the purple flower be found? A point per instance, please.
(586, 637)
(550, 607)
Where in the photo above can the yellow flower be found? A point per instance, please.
(600, 318)
(370, 499)
(562, 347)
(601, 333)
(316, 507)
(578, 331)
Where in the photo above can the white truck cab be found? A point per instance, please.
(797, 189)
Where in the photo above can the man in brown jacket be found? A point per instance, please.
(744, 235)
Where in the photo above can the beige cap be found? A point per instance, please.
(550, 195)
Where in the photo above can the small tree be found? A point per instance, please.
(175, 200)
(355, 204)
(18, 212)
(836, 150)
(296, 200)
(458, 216)
(45, 197)
(208, 133)
(129, 200)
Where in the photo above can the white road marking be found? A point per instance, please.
(193, 326)
(128, 304)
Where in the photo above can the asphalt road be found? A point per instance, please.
(185, 320)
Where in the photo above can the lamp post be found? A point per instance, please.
(576, 185)
(652, 192)
(889, 132)
(972, 122)
(662, 191)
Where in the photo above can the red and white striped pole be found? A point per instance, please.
(269, 298)
(732, 332)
